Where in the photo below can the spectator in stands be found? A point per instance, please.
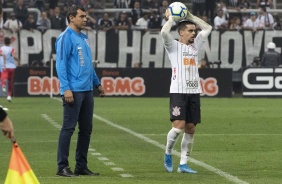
(136, 12)
(122, 4)
(277, 23)
(244, 4)
(255, 63)
(155, 21)
(198, 7)
(267, 4)
(163, 8)
(39, 4)
(271, 58)
(149, 4)
(235, 24)
(57, 20)
(21, 11)
(105, 24)
(122, 22)
(13, 24)
(143, 22)
(30, 23)
(204, 63)
(210, 9)
(43, 22)
(266, 19)
(234, 5)
(91, 23)
(252, 23)
(52, 6)
(219, 21)
(222, 6)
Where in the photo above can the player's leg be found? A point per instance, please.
(177, 116)
(84, 134)
(70, 118)
(193, 117)
(11, 73)
(4, 77)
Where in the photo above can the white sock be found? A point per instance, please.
(186, 147)
(172, 136)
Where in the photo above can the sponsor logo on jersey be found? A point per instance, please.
(87, 42)
(186, 54)
(192, 84)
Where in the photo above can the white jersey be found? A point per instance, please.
(184, 63)
(185, 77)
(8, 51)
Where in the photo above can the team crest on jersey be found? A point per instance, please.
(176, 111)
(87, 41)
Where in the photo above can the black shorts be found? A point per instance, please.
(185, 107)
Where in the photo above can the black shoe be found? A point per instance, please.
(66, 172)
(85, 172)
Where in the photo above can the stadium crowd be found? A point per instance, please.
(145, 15)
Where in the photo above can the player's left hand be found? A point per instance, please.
(167, 13)
(101, 91)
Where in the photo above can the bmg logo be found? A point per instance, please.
(262, 82)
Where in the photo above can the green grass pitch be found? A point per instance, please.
(239, 138)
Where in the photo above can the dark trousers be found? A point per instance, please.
(80, 111)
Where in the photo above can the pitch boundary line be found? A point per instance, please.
(197, 162)
(91, 150)
(221, 135)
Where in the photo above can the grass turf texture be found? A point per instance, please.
(240, 136)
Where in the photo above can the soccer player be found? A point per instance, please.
(185, 85)
(77, 79)
(9, 67)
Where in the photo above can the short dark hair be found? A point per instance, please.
(72, 11)
(7, 40)
(182, 24)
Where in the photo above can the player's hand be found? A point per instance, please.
(7, 128)
(101, 91)
(167, 13)
(68, 96)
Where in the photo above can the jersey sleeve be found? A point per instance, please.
(96, 80)
(166, 36)
(63, 52)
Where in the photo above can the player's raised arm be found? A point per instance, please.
(167, 38)
(205, 27)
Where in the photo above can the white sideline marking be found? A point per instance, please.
(117, 169)
(102, 158)
(91, 150)
(199, 163)
(96, 154)
(109, 163)
(222, 134)
(126, 175)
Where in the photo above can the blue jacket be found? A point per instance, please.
(74, 62)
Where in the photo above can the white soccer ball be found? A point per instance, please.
(178, 11)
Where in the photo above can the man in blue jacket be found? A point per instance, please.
(77, 79)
